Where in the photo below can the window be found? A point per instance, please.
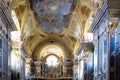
(51, 60)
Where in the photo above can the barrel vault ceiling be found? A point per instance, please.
(52, 21)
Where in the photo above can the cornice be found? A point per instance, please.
(98, 18)
(6, 14)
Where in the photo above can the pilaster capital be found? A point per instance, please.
(28, 60)
(113, 23)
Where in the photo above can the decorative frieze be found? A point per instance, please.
(103, 11)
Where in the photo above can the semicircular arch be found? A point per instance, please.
(37, 52)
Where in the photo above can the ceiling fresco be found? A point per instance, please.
(52, 15)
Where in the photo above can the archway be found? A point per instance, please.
(52, 60)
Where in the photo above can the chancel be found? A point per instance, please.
(59, 39)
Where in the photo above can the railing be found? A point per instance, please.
(61, 78)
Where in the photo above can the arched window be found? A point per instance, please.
(51, 60)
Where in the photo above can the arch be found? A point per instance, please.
(62, 46)
(44, 58)
(52, 60)
(51, 49)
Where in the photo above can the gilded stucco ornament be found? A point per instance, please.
(43, 20)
